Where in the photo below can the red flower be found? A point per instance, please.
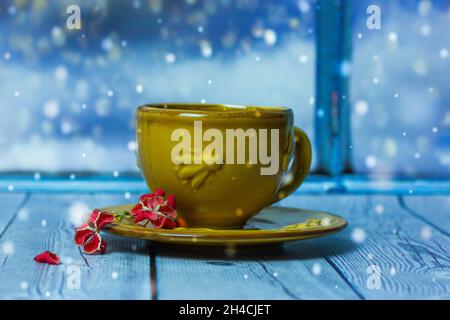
(47, 257)
(88, 236)
(155, 211)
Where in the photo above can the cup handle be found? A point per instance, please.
(300, 167)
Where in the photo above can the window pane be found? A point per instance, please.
(401, 100)
(70, 95)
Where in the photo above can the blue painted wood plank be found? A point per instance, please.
(433, 210)
(122, 273)
(295, 272)
(383, 236)
(11, 203)
(347, 184)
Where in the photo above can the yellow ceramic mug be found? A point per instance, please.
(179, 149)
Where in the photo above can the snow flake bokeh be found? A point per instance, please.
(74, 93)
(401, 104)
(70, 96)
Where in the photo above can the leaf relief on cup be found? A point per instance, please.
(195, 167)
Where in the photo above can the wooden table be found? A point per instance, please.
(397, 246)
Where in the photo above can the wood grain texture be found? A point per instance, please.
(124, 273)
(390, 239)
(266, 273)
(11, 203)
(405, 237)
(434, 210)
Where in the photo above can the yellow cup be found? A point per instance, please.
(224, 163)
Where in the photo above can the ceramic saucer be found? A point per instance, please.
(273, 225)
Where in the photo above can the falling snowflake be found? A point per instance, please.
(206, 49)
(170, 58)
(393, 271)
(24, 285)
(270, 37)
(77, 212)
(379, 209)
(316, 269)
(51, 109)
(8, 248)
(114, 275)
(139, 88)
(393, 37)
(371, 161)
(23, 214)
(361, 107)
(426, 233)
(358, 235)
(61, 73)
(303, 59)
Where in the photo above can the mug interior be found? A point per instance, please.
(213, 109)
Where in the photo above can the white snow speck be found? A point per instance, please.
(371, 161)
(77, 212)
(270, 37)
(170, 57)
(23, 214)
(379, 209)
(61, 73)
(316, 269)
(361, 107)
(114, 275)
(139, 88)
(426, 233)
(358, 235)
(303, 58)
(24, 285)
(206, 49)
(393, 271)
(51, 109)
(393, 37)
(132, 145)
(8, 248)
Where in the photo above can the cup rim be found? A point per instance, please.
(193, 109)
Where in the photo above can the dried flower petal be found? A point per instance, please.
(100, 219)
(94, 244)
(153, 210)
(47, 257)
(82, 233)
